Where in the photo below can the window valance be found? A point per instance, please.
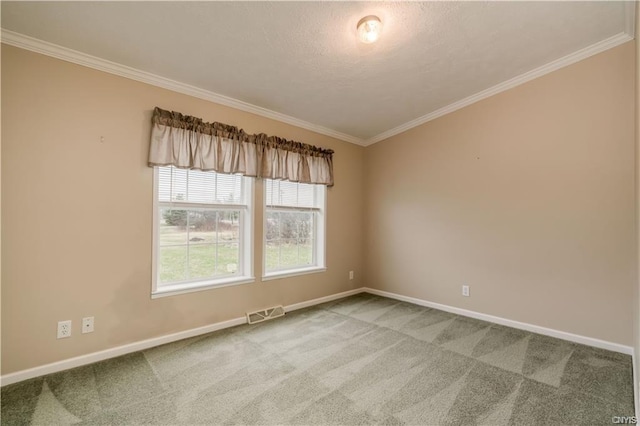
(190, 143)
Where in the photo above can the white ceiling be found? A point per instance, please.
(300, 61)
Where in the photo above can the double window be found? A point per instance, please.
(203, 234)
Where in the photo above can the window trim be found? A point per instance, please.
(246, 245)
(286, 273)
(320, 250)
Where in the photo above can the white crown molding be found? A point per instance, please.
(39, 46)
(572, 58)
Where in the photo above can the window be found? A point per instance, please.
(202, 230)
(293, 228)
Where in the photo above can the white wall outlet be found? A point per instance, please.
(87, 325)
(64, 329)
(465, 290)
(350, 275)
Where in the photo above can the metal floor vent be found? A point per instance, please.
(267, 314)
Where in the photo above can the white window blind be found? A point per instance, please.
(196, 186)
(290, 194)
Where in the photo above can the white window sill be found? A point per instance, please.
(292, 273)
(172, 290)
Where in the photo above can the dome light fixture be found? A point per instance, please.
(369, 29)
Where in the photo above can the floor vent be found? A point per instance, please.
(267, 314)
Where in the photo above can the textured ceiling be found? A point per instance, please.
(302, 59)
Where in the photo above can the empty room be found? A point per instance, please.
(330, 213)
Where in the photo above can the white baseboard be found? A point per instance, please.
(324, 299)
(589, 341)
(635, 384)
(79, 361)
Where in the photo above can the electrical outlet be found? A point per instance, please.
(465, 290)
(350, 275)
(64, 329)
(87, 325)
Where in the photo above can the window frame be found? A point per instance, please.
(319, 247)
(245, 242)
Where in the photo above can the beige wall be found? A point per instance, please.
(0, 212)
(636, 295)
(77, 214)
(527, 196)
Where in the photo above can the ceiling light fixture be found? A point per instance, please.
(369, 29)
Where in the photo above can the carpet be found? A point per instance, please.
(364, 359)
